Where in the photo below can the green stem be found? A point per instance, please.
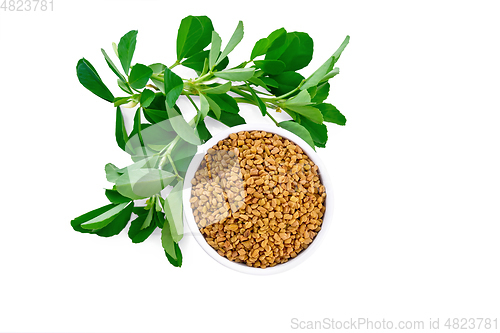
(272, 118)
(174, 168)
(290, 92)
(244, 100)
(157, 77)
(194, 104)
(242, 93)
(204, 77)
(177, 62)
(238, 90)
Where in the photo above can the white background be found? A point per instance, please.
(415, 233)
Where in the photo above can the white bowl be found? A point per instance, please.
(188, 212)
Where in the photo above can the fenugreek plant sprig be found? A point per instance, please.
(163, 147)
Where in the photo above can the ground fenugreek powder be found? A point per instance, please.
(258, 198)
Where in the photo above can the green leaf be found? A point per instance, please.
(287, 81)
(206, 35)
(139, 76)
(238, 74)
(143, 183)
(156, 136)
(274, 40)
(336, 54)
(214, 50)
(204, 106)
(177, 261)
(147, 96)
(259, 83)
(159, 206)
(173, 87)
(203, 132)
(115, 197)
(124, 86)
(152, 181)
(120, 130)
(307, 111)
(103, 219)
(220, 89)
(159, 102)
(225, 102)
(126, 48)
(235, 40)
(331, 114)
(296, 52)
(302, 98)
(186, 132)
(260, 103)
(135, 139)
(205, 68)
(118, 223)
(228, 119)
(330, 74)
(194, 34)
(157, 68)
(319, 132)
(148, 220)
(159, 117)
(316, 77)
(135, 233)
(115, 48)
(260, 48)
(173, 212)
(321, 93)
(272, 67)
(167, 242)
(214, 107)
(270, 82)
(326, 71)
(298, 130)
(197, 61)
(77, 222)
(112, 172)
(89, 78)
(113, 67)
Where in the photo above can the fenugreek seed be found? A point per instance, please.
(232, 227)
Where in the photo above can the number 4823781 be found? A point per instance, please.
(27, 5)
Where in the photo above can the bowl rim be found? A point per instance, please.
(189, 217)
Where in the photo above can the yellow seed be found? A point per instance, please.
(232, 227)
